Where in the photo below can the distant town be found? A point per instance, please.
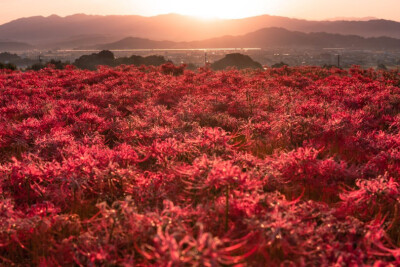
(266, 39)
(195, 58)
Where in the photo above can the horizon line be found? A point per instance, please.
(367, 18)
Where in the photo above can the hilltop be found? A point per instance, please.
(81, 29)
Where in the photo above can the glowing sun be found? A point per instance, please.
(231, 9)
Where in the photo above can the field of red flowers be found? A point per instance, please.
(164, 167)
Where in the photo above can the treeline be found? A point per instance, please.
(7, 66)
(13, 61)
(106, 57)
(90, 62)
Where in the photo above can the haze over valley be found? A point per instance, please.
(367, 41)
(75, 30)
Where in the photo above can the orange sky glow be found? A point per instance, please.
(307, 9)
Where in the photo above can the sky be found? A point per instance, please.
(306, 9)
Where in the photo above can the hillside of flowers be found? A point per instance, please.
(161, 166)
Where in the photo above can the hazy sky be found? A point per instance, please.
(309, 9)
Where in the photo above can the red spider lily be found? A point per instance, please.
(372, 196)
(162, 166)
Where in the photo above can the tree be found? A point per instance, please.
(381, 66)
(8, 66)
(279, 65)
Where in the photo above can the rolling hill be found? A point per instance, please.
(63, 31)
(14, 46)
(264, 38)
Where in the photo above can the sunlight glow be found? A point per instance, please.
(223, 9)
(304, 9)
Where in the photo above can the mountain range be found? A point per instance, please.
(89, 30)
(264, 38)
(14, 46)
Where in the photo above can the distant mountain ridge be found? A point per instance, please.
(14, 46)
(352, 19)
(139, 43)
(264, 38)
(55, 31)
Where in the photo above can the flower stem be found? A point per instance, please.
(226, 207)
